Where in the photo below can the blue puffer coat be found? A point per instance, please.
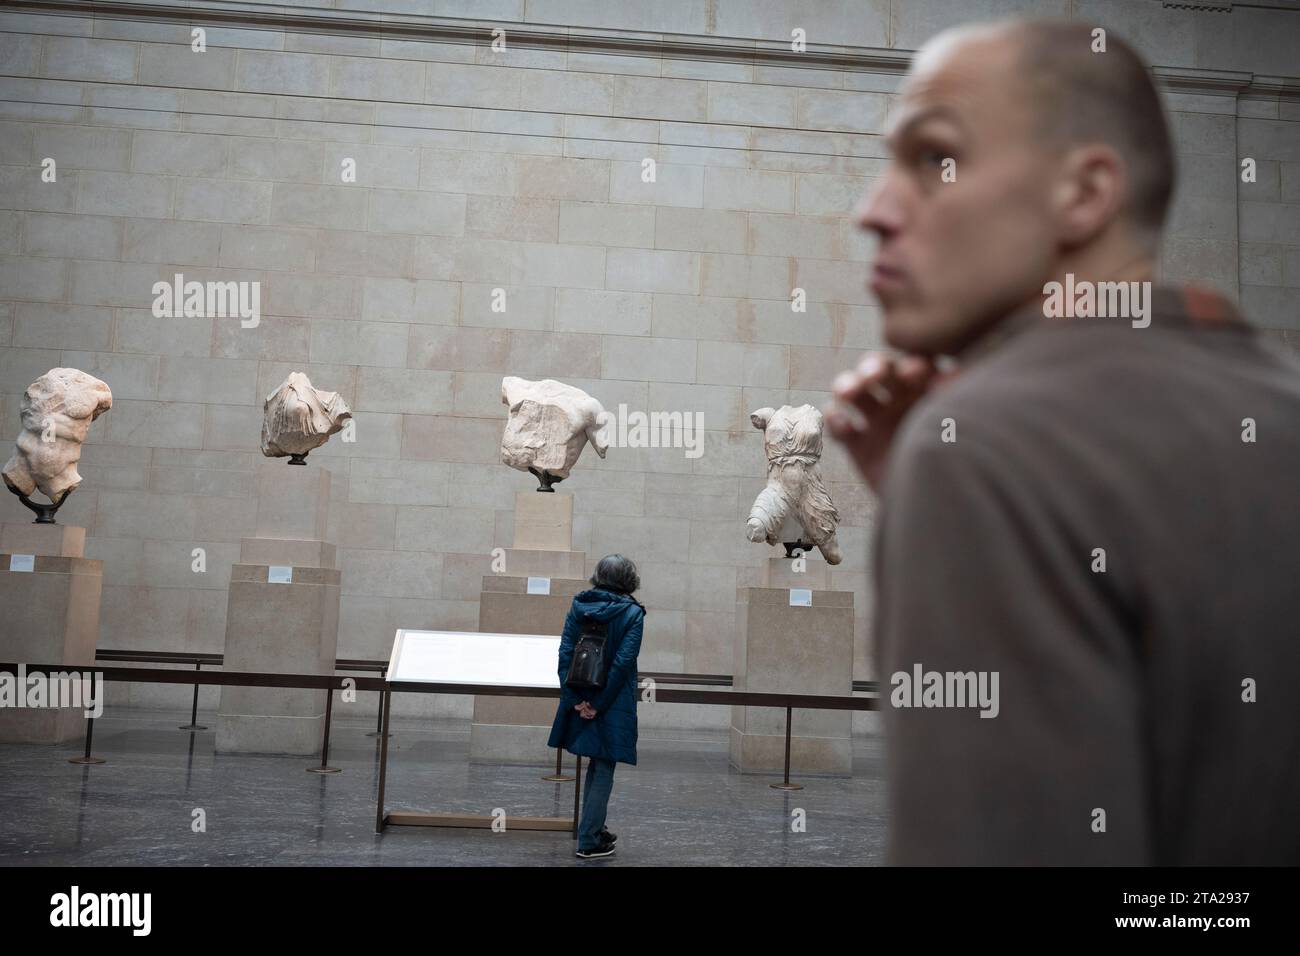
(611, 734)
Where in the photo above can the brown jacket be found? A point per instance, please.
(1120, 690)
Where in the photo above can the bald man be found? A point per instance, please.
(1087, 620)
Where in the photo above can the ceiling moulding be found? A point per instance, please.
(1226, 82)
(528, 36)
(1205, 6)
(1221, 82)
(1285, 87)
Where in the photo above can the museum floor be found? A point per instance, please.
(681, 805)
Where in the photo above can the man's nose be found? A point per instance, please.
(880, 210)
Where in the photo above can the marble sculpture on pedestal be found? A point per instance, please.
(549, 425)
(792, 439)
(298, 417)
(55, 414)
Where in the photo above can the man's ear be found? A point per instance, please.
(1090, 193)
(761, 417)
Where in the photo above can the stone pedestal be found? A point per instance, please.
(295, 552)
(543, 521)
(292, 500)
(544, 564)
(51, 616)
(50, 540)
(802, 572)
(281, 628)
(784, 649)
(515, 729)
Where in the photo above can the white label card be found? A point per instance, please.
(22, 562)
(800, 597)
(279, 574)
(539, 585)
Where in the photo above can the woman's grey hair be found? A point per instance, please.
(616, 573)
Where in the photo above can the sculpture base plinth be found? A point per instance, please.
(515, 729)
(521, 562)
(51, 616)
(296, 552)
(784, 649)
(292, 502)
(273, 733)
(543, 522)
(802, 572)
(52, 540)
(289, 628)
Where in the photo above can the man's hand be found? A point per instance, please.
(585, 709)
(870, 401)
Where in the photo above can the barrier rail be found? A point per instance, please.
(386, 688)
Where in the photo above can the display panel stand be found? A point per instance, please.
(507, 661)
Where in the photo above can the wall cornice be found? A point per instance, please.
(529, 36)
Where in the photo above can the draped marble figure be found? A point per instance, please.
(792, 439)
(298, 417)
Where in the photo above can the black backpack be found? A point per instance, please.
(589, 667)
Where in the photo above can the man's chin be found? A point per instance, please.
(907, 330)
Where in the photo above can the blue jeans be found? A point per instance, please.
(600, 781)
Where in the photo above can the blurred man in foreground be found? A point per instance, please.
(1086, 610)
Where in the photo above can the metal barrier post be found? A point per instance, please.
(194, 707)
(86, 758)
(577, 794)
(559, 776)
(383, 765)
(786, 784)
(325, 743)
(379, 713)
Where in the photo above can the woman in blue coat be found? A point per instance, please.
(601, 725)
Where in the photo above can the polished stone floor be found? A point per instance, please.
(681, 805)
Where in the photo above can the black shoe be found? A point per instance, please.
(603, 848)
(606, 835)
